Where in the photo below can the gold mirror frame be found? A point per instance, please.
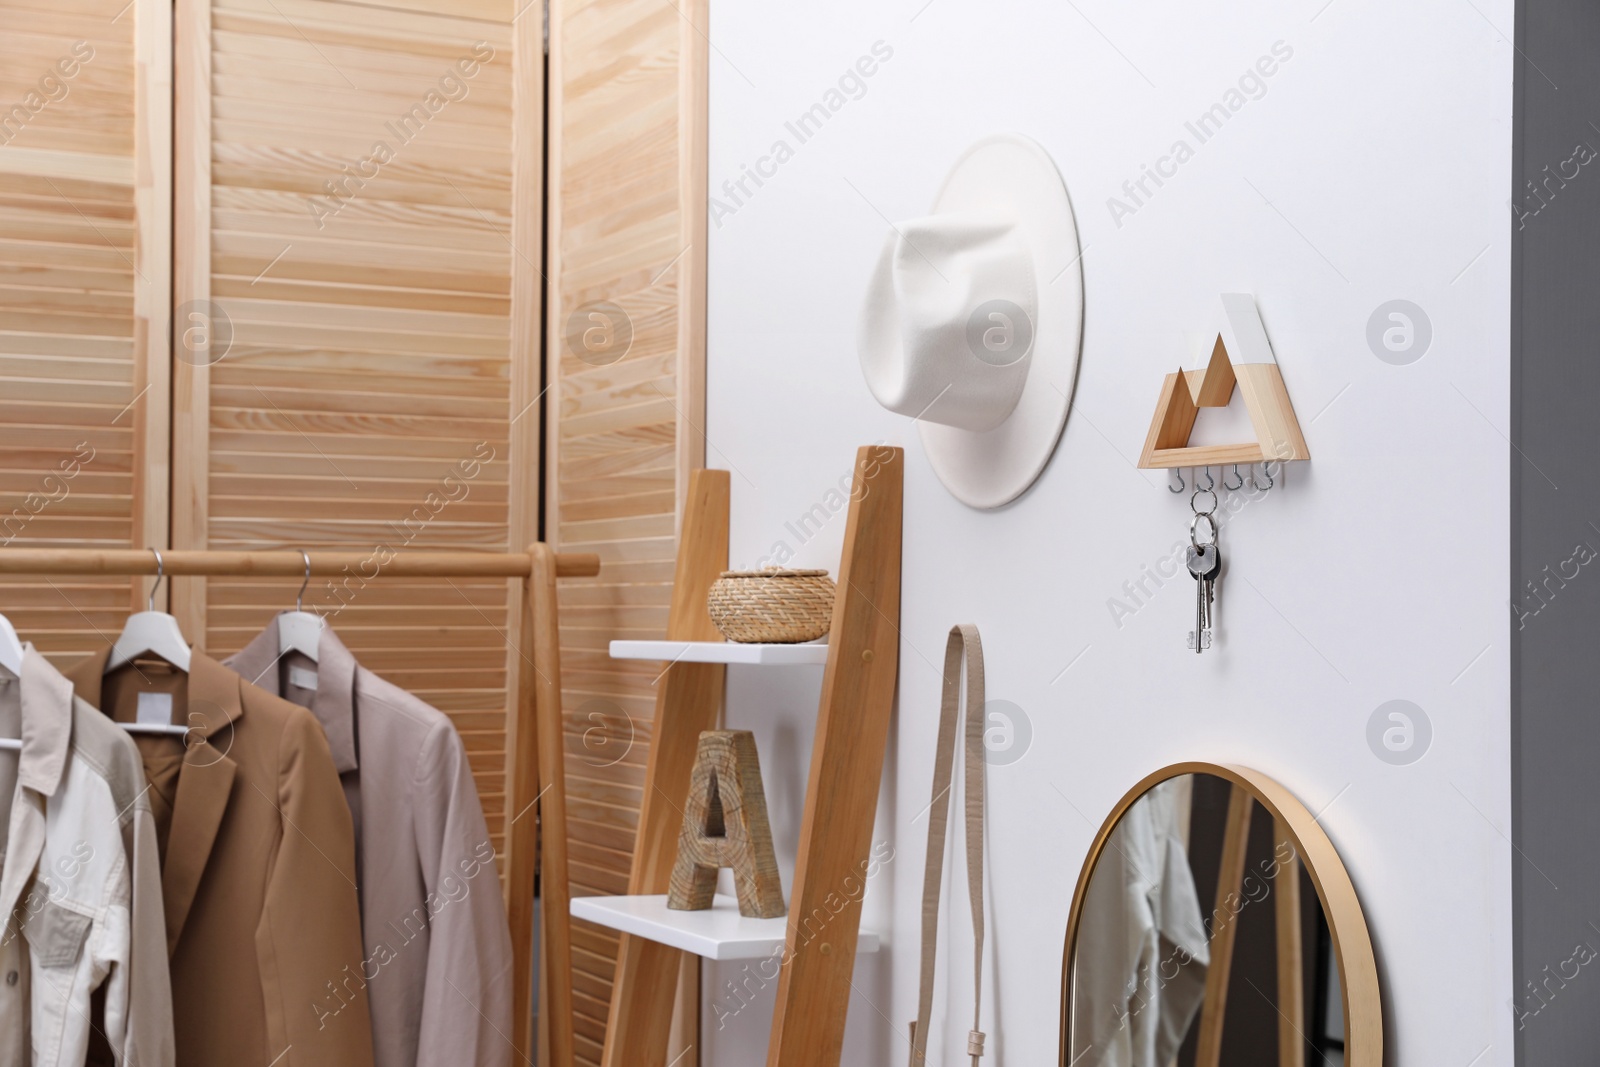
(1352, 944)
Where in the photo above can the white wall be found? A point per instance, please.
(1375, 166)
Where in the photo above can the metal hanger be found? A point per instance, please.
(300, 630)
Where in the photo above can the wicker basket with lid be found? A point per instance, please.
(773, 606)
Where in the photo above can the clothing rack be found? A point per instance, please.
(534, 773)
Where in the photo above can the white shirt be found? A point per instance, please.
(1141, 958)
(79, 847)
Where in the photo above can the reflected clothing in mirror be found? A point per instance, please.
(1142, 951)
(1201, 934)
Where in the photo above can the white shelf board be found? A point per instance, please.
(721, 652)
(718, 934)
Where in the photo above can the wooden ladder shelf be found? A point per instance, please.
(852, 734)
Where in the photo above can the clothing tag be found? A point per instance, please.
(155, 709)
(301, 678)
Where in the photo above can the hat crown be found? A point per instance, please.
(947, 332)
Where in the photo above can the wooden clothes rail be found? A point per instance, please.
(280, 563)
(534, 749)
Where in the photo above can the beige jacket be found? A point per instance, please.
(438, 949)
(80, 885)
(257, 873)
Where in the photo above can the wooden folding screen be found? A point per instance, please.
(357, 305)
(85, 108)
(625, 350)
(309, 277)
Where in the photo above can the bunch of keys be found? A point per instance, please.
(1204, 560)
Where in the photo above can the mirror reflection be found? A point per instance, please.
(1201, 941)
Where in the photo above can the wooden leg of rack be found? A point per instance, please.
(683, 1046)
(1291, 972)
(522, 839)
(858, 689)
(644, 989)
(688, 696)
(555, 926)
(1224, 926)
(642, 994)
(542, 1022)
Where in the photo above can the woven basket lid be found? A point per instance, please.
(775, 572)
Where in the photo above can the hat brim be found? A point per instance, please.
(1014, 174)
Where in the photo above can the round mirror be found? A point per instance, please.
(1214, 926)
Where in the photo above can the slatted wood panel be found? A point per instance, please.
(358, 190)
(84, 201)
(627, 224)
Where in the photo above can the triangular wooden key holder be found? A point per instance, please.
(1242, 356)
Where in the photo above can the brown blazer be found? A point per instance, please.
(258, 870)
(438, 959)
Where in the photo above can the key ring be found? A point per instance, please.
(1194, 527)
(1194, 507)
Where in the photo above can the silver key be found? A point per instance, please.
(1203, 561)
(1210, 582)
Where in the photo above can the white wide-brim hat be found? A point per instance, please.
(973, 321)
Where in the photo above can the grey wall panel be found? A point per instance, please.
(1555, 537)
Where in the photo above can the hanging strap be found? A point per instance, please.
(964, 645)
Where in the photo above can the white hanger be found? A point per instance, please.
(151, 632)
(10, 648)
(300, 630)
(11, 660)
(154, 633)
